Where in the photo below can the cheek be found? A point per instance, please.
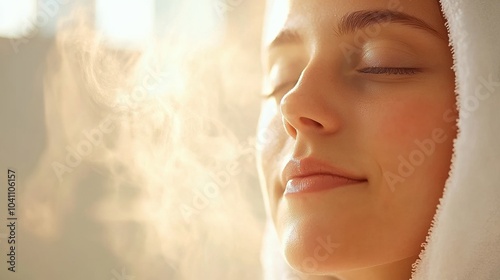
(399, 124)
(412, 142)
(403, 123)
(270, 134)
(410, 136)
(271, 144)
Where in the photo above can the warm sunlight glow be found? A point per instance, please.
(201, 20)
(17, 18)
(125, 23)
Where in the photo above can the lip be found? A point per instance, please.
(311, 175)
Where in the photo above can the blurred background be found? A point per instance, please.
(131, 128)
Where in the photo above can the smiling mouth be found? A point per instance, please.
(311, 175)
(318, 182)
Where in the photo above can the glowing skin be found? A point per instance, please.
(376, 101)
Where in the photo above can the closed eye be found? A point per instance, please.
(389, 71)
(281, 89)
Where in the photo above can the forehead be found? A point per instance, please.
(308, 15)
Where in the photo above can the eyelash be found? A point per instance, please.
(389, 71)
(367, 70)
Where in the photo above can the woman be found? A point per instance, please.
(360, 103)
(355, 143)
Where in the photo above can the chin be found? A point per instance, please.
(310, 250)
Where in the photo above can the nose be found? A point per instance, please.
(310, 107)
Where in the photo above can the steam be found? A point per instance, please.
(146, 135)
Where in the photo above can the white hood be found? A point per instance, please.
(464, 239)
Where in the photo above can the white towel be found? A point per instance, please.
(464, 242)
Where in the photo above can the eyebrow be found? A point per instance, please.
(359, 20)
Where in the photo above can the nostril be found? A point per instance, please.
(310, 122)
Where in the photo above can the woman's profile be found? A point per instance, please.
(360, 100)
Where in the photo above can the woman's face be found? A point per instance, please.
(356, 130)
